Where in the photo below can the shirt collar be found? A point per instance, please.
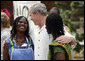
(43, 27)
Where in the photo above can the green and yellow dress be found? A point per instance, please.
(55, 47)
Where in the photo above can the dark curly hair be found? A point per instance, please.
(14, 31)
(54, 25)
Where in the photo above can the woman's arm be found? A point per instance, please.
(5, 51)
(60, 56)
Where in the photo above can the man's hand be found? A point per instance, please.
(65, 39)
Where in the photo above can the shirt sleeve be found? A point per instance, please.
(67, 33)
(31, 29)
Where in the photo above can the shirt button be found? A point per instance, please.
(38, 47)
(38, 40)
(39, 32)
(38, 54)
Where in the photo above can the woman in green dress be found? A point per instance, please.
(57, 51)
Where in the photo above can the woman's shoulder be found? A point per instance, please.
(9, 42)
(55, 43)
(6, 41)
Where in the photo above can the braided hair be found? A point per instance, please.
(14, 31)
(54, 25)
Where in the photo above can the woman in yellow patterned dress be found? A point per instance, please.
(57, 51)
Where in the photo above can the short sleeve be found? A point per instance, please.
(68, 33)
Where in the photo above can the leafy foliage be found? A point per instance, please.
(73, 17)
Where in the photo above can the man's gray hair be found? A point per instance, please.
(40, 7)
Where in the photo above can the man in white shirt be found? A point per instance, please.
(39, 34)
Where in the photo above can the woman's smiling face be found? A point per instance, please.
(22, 25)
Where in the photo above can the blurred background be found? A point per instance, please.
(72, 13)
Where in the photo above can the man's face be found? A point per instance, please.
(33, 17)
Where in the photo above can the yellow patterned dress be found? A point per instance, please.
(55, 47)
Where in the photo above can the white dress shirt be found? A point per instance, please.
(41, 40)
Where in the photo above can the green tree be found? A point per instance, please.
(72, 13)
